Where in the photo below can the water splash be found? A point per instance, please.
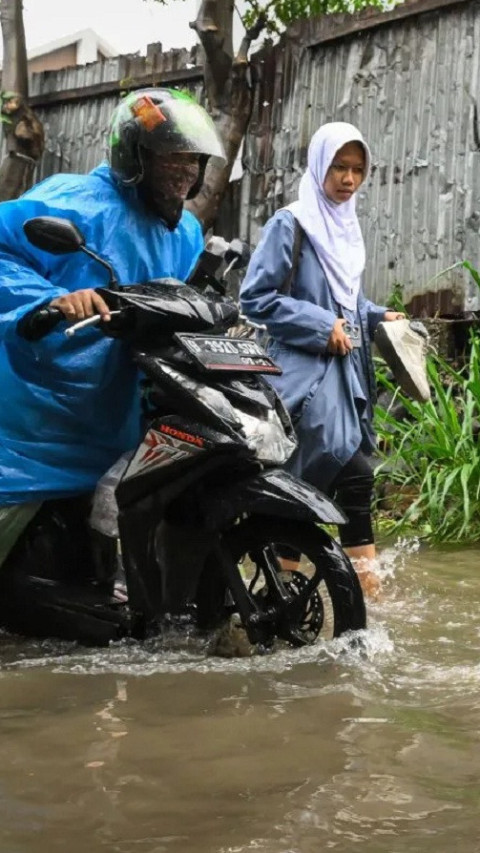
(182, 653)
(395, 557)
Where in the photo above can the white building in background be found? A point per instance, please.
(75, 49)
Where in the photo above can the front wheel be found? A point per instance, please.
(319, 596)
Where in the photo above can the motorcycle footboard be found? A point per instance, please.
(35, 608)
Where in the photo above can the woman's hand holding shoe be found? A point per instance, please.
(393, 315)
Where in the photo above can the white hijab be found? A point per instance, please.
(333, 229)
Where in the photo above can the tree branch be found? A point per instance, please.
(14, 72)
(23, 132)
(213, 26)
(251, 34)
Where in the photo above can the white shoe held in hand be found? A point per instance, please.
(403, 344)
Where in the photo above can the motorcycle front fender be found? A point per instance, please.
(276, 493)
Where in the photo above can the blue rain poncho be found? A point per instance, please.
(330, 398)
(70, 406)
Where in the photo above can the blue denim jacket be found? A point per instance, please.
(330, 398)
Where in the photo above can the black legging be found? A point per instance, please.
(352, 490)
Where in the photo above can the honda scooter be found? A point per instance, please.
(204, 512)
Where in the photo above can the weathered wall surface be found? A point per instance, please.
(413, 87)
(410, 80)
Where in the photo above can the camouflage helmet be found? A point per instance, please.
(166, 121)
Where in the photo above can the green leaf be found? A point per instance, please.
(434, 451)
(473, 272)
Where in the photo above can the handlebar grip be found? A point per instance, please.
(39, 323)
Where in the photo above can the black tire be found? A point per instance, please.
(335, 605)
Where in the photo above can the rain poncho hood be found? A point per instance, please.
(71, 405)
(333, 229)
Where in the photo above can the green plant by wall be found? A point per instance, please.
(431, 454)
(396, 299)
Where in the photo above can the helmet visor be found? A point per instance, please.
(173, 124)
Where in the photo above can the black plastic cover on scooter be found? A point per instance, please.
(273, 492)
(160, 307)
(58, 579)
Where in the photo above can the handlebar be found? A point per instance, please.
(246, 322)
(141, 312)
(89, 321)
(39, 322)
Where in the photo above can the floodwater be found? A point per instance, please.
(166, 750)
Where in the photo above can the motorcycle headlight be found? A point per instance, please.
(266, 437)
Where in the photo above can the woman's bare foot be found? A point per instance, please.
(363, 558)
(369, 580)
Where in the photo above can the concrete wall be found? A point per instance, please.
(412, 85)
(54, 60)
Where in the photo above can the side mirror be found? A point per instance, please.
(61, 237)
(237, 255)
(53, 234)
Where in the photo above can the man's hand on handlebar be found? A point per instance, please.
(81, 304)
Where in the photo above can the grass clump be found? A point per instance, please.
(430, 453)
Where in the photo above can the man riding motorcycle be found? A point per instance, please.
(71, 405)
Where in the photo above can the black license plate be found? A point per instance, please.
(222, 353)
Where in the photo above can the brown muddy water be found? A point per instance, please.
(165, 750)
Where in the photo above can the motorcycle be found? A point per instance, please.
(206, 516)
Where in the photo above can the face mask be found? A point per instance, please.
(166, 182)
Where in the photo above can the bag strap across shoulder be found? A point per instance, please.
(263, 337)
(286, 285)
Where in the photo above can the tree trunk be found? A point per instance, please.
(22, 130)
(229, 95)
